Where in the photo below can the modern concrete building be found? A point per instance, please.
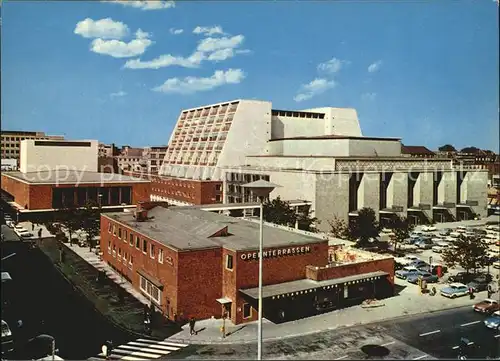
(47, 155)
(319, 155)
(11, 141)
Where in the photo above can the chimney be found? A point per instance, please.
(140, 214)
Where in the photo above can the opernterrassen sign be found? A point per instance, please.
(289, 251)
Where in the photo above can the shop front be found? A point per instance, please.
(304, 298)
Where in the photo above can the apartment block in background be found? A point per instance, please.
(11, 141)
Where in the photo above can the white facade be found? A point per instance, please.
(44, 155)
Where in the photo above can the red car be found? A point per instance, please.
(487, 306)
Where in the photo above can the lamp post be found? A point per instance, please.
(261, 189)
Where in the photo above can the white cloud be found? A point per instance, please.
(208, 49)
(208, 30)
(369, 96)
(214, 44)
(372, 68)
(121, 93)
(146, 4)
(121, 49)
(313, 88)
(176, 31)
(104, 29)
(332, 66)
(191, 84)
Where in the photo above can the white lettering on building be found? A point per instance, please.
(290, 251)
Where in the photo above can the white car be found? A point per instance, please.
(437, 249)
(10, 224)
(454, 234)
(496, 264)
(407, 260)
(22, 232)
(493, 227)
(455, 290)
(429, 228)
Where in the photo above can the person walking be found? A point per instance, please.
(192, 323)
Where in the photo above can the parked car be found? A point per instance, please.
(424, 244)
(407, 260)
(493, 321)
(479, 284)
(419, 264)
(464, 277)
(428, 228)
(493, 227)
(26, 234)
(434, 268)
(406, 271)
(7, 339)
(487, 306)
(496, 264)
(480, 231)
(437, 249)
(455, 290)
(445, 232)
(425, 276)
(455, 234)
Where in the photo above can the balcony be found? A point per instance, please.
(183, 116)
(229, 119)
(214, 111)
(223, 109)
(205, 113)
(192, 148)
(225, 129)
(210, 147)
(232, 109)
(212, 164)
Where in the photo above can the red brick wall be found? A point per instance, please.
(275, 270)
(19, 190)
(200, 283)
(166, 272)
(185, 190)
(40, 197)
(351, 269)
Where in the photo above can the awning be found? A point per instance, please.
(224, 300)
(307, 285)
(156, 282)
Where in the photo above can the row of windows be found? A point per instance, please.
(126, 257)
(134, 240)
(151, 290)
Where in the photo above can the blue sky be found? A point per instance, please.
(423, 71)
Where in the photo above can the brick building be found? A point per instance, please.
(193, 263)
(34, 193)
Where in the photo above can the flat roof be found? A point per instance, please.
(71, 177)
(330, 137)
(306, 284)
(188, 228)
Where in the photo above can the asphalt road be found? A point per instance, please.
(48, 304)
(425, 337)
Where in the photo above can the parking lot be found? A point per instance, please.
(423, 251)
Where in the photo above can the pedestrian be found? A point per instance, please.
(40, 233)
(32, 227)
(490, 291)
(192, 323)
(471, 293)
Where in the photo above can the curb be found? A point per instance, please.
(221, 341)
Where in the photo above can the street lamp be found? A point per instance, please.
(261, 189)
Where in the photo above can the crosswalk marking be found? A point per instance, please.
(161, 347)
(163, 352)
(168, 343)
(143, 349)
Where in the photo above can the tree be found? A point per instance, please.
(305, 221)
(279, 212)
(339, 228)
(401, 227)
(470, 253)
(91, 222)
(447, 148)
(72, 220)
(365, 227)
(470, 150)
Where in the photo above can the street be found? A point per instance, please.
(427, 337)
(46, 303)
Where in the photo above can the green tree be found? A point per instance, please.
(91, 222)
(470, 253)
(401, 227)
(279, 212)
(447, 148)
(365, 227)
(305, 220)
(72, 220)
(339, 228)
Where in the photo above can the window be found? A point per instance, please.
(131, 239)
(109, 246)
(109, 227)
(137, 242)
(119, 254)
(119, 233)
(151, 290)
(125, 235)
(152, 250)
(130, 261)
(229, 261)
(114, 250)
(144, 246)
(125, 257)
(247, 310)
(160, 255)
(114, 230)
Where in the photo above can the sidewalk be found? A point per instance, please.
(408, 302)
(93, 259)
